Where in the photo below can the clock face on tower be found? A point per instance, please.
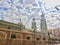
(26, 10)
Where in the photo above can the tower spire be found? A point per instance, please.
(43, 25)
(34, 24)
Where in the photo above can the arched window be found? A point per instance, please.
(44, 38)
(37, 38)
(55, 39)
(13, 35)
(58, 39)
(28, 37)
(8, 27)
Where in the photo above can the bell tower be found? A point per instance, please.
(43, 25)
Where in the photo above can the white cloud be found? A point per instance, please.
(52, 3)
(14, 14)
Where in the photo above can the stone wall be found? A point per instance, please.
(22, 38)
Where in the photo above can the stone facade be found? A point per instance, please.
(55, 33)
(12, 26)
(44, 29)
(22, 38)
(9, 36)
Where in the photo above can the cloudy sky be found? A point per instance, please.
(26, 10)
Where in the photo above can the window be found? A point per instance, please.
(8, 27)
(37, 39)
(28, 37)
(58, 39)
(13, 35)
(48, 39)
(55, 39)
(44, 38)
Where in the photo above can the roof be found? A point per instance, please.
(5, 24)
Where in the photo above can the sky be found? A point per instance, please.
(26, 10)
